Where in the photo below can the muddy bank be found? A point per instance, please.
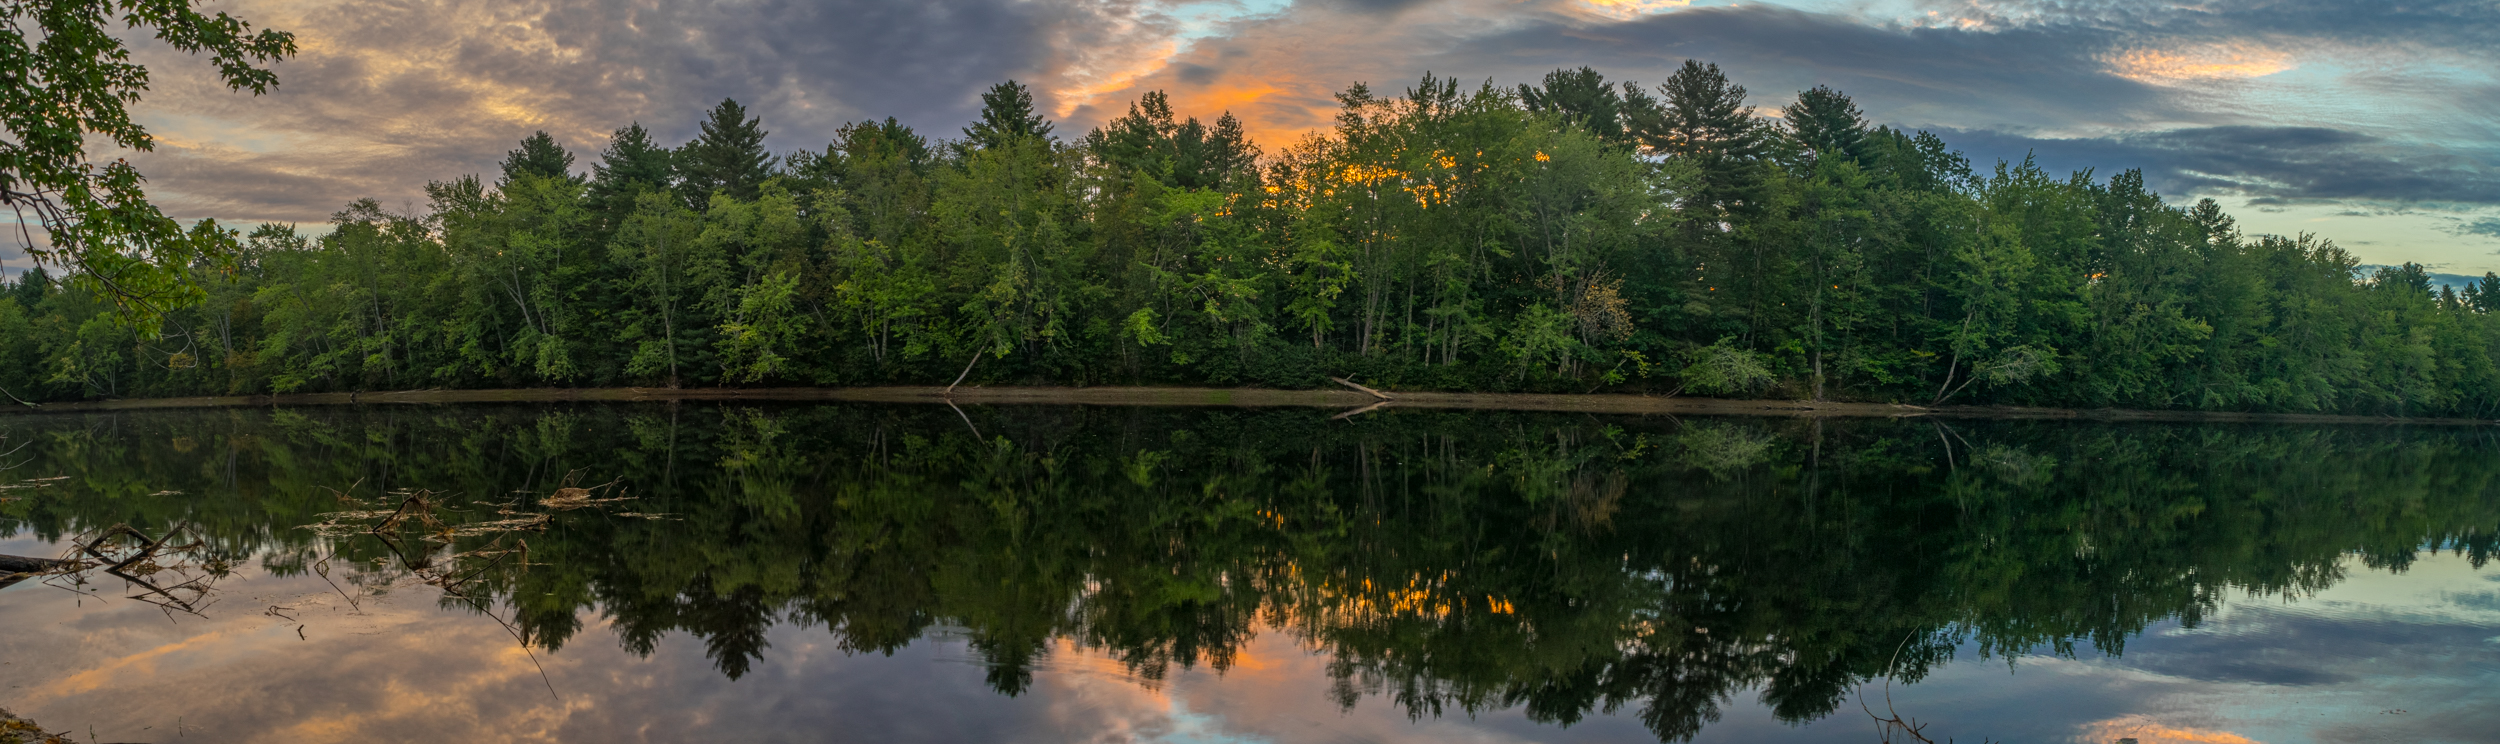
(1233, 397)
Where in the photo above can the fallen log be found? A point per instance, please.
(1373, 393)
(10, 564)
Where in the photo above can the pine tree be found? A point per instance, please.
(1703, 117)
(728, 157)
(1006, 115)
(631, 164)
(539, 156)
(1583, 98)
(1826, 121)
(1227, 151)
(32, 285)
(1180, 153)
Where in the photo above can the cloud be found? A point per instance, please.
(2196, 62)
(2278, 101)
(2271, 164)
(2460, 26)
(388, 94)
(1279, 73)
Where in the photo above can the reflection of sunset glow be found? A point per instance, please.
(2203, 62)
(1630, 9)
(2148, 731)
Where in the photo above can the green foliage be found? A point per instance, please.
(728, 157)
(1007, 115)
(1493, 238)
(69, 76)
(541, 157)
(1722, 368)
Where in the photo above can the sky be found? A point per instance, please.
(2373, 124)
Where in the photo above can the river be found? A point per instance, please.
(838, 572)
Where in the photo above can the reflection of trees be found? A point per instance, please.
(1448, 562)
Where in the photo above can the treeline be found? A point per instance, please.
(1443, 562)
(1572, 235)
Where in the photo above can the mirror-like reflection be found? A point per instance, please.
(1451, 566)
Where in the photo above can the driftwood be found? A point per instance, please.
(10, 564)
(1373, 393)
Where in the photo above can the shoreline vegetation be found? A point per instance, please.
(1354, 403)
(1575, 235)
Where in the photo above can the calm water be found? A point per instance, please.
(854, 573)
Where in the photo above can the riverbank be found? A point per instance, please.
(1232, 397)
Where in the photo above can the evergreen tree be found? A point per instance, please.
(2484, 296)
(1583, 98)
(1180, 153)
(32, 286)
(728, 157)
(630, 165)
(539, 156)
(1826, 121)
(1704, 118)
(1006, 115)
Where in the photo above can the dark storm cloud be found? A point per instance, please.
(2270, 164)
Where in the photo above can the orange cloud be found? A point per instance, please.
(2226, 61)
(2148, 731)
(1625, 10)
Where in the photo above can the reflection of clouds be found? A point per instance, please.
(2333, 667)
(2149, 731)
(399, 670)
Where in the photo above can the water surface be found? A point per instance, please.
(865, 573)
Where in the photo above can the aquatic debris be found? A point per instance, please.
(14, 569)
(569, 496)
(1887, 727)
(171, 574)
(15, 730)
(31, 483)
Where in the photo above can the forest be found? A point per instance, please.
(1573, 235)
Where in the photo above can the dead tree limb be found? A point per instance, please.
(959, 379)
(1368, 391)
(10, 564)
